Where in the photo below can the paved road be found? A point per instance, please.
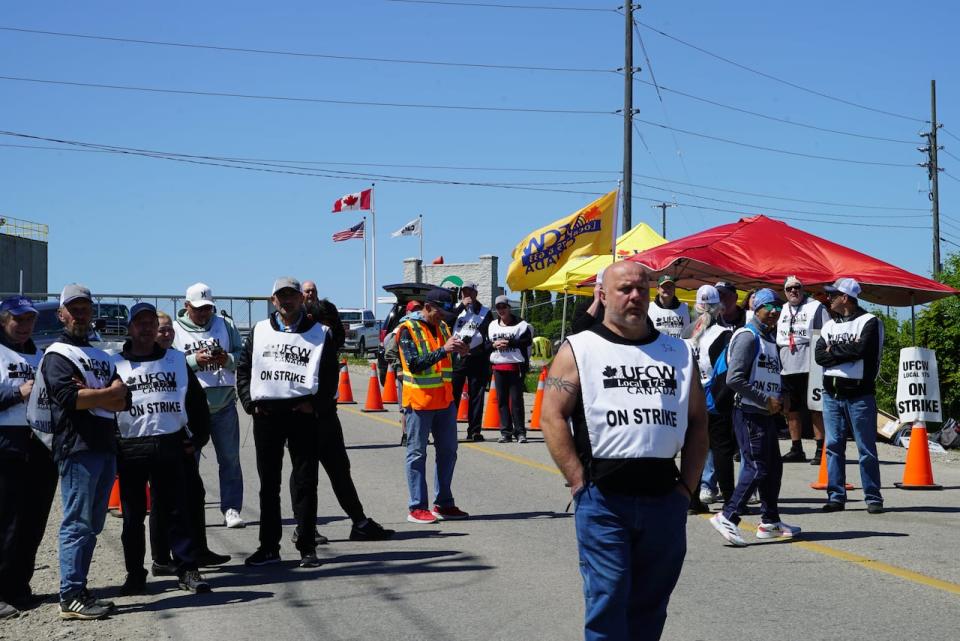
(510, 572)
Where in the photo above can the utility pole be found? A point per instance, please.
(933, 175)
(628, 120)
(663, 216)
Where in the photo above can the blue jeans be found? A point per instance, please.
(443, 425)
(631, 553)
(860, 415)
(761, 467)
(225, 434)
(85, 482)
(708, 480)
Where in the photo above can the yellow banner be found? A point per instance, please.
(544, 252)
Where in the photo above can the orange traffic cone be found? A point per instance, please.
(390, 388)
(538, 401)
(113, 505)
(345, 391)
(491, 413)
(374, 400)
(463, 412)
(822, 478)
(918, 474)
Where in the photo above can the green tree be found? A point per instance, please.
(938, 327)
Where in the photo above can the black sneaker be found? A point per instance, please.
(309, 560)
(262, 557)
(163, 569)
(504, 439)
(476, 438)
(7, 611)
(370, 531)
(697, 507)
(318, 538)
(794, 456)
(833, 506)
(103, 603)
(816, 457)
(874, 508)
(207, 558)
(191, 581)
(136, 584)
(81, 608)
(522, 439)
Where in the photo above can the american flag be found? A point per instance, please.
(348, 234)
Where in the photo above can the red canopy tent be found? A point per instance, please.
(761, 252)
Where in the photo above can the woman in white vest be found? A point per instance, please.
(28, 476)
(165, 397)
(509, 339)
(753, 373)
(667, 313)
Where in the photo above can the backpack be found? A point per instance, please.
(720, 397)
(949, 435)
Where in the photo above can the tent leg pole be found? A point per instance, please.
(563, 321)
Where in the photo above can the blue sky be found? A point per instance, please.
(125, 223)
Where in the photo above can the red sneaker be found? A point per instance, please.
(421, 516)
(451, 513)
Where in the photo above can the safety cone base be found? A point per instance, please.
(904, 486)
(823, 486)
(364, 409)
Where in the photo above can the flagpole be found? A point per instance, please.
(421, 238)
(364, 306)
(616, 210)
(373, 249)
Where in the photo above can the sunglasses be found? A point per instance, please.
(770, 307)
(832, 295)
(793, 288)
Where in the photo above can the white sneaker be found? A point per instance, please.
(777, 530)
(231, 519)
(707, 496)
(728, 529)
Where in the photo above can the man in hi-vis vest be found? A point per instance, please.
(84, 395)
(473, 367)
(634, 400)
(212, 345)
(165, 396)
(849, 350)
(425, 348)
(287, 379)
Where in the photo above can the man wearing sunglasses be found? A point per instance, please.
(801, 316)
(849, 350)
(753, 373)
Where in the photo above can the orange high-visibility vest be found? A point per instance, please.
(431, 389)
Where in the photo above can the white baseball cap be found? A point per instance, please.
(199, 295)
(708, 295)
(846, 286)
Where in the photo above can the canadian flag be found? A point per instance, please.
(350, 202)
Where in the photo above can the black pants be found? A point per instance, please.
(475, 372)
(158, 460)
(723, 444)
(510, 402)
(196, 512)
(27, 486)
(300, 433)
(333, 456)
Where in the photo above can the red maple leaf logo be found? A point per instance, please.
(592, 213)
(350, 200)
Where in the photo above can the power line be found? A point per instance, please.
(300, 54)
(780, 80)
(773, 149)
(949, 175)
(490, 5)
(361, 103)
(949, 154)
(948, 132)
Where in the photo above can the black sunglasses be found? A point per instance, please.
(793, 288)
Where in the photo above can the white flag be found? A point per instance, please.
(410, 229)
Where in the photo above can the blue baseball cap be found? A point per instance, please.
(17, 305)
(142, 307)
(765, 296)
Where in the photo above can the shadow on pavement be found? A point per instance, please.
(847, 534)
(374, 446)
(938, 509)
(180, 599)
(520, 516)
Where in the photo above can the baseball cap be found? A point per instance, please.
(286, 282)
(469, 284)
(142, 307)
(438, 298)
(726, 285)
(72, 292)
(847, 286)
(412, 305)
(666, 278)
(708, 295)
(199, 295)
(501, 300)
(765, 296)
(792, 281)
(17, 305)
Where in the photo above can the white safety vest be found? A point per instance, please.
(97, 369)
(635, 397)
(701, 352)
(467, 326)
(15, 370)
(802, 322)
(191, 342)
(838, 332)
(510, 354)
(765, 373)
(669, 321)
(285, 364)
(159, 395)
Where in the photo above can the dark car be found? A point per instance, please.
(404, 292)
(114, 316)
(48, 327)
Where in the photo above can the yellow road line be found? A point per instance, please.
(840, 555)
